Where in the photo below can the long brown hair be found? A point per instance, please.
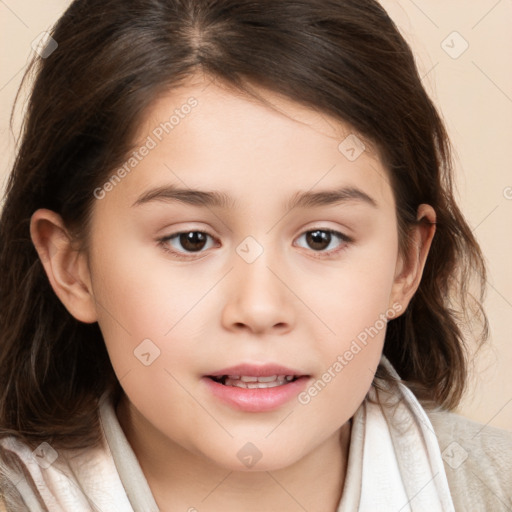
(114, 57)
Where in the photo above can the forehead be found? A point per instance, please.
(228, 107)
(208, 135)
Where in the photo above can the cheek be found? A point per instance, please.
(150, 311)
(133, 300)
(354, 295)
(141, 288)
(349, 355)
(353, 302)
(144, 312)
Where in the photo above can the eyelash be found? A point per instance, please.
(162, 242)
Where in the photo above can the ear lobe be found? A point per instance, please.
(409, 272)
(64, 265)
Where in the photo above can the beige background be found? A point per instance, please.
(473, 90)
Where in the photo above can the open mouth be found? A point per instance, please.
(271, 387)
(251, 382)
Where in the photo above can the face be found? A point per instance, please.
(187, 285)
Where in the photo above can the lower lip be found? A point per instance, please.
(259, 399)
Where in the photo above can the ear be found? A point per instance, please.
(65, 266)
(409, 270)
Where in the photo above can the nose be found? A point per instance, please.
(258, 299)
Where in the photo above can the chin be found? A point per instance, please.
(248, 458)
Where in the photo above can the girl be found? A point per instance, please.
(235, 277)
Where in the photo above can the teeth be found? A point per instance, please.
(251, 382)
(267, 379)
(255, 385)
(243, 378)
(250, 378)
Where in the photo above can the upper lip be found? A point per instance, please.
(265, 370)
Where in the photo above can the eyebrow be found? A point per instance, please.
(216, 199)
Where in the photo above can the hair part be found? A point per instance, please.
(114, 58)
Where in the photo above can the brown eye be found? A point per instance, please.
(193, 240)
(321, 240)
(186, 242)
(318, 240)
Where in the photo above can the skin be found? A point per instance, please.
(290, 306)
